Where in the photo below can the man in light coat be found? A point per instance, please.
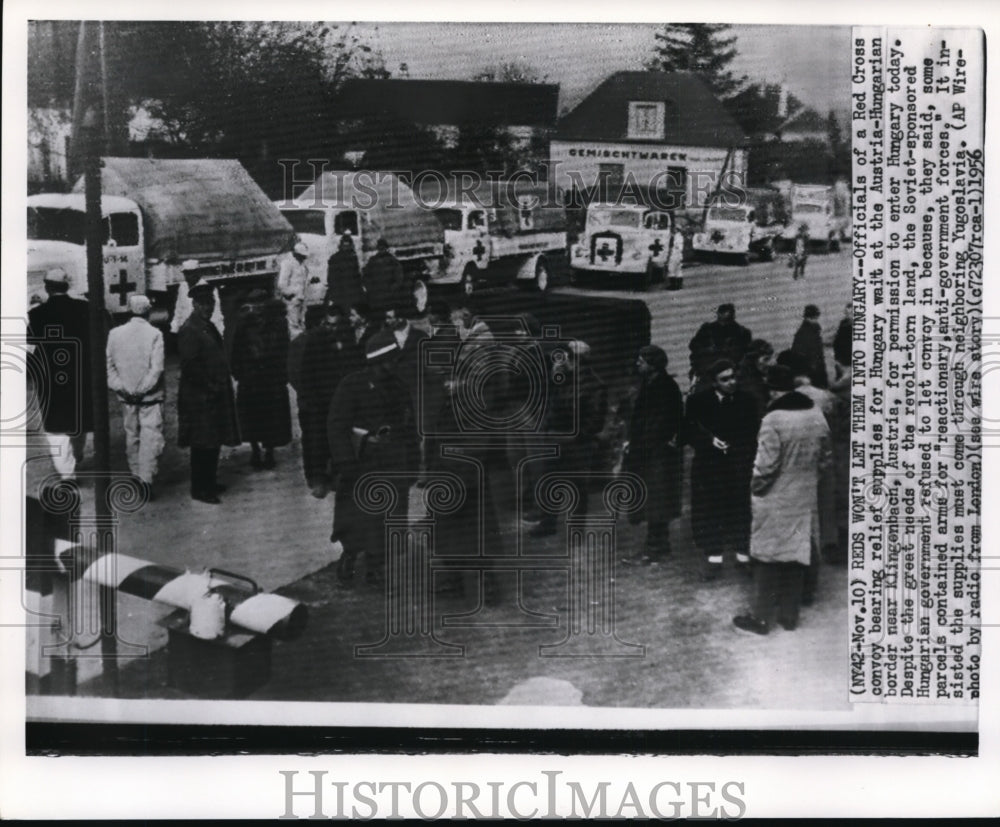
(793, 449)
(293, 275)
(135, 374)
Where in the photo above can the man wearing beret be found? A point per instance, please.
(135, 374)
(793, 450)
(371, 430)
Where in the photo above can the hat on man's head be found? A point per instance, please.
(139, 305)
(726, 308)
(300, 249)
(381, 346)
(794, 361)
(654, 356)
(780, 378)
(189, 265)
(382, 244)
(201, 290)
(811, 311)
(57, 276)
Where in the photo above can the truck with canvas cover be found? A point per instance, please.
(367, 206)
(627, 237)
(156, 215)
(814, 207)
(497, 231)
(740, 227)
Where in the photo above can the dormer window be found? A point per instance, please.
(645, 120)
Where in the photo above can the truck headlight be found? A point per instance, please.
(578, 252)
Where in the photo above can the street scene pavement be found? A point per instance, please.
(270, 528)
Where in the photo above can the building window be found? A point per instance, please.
(645, 120)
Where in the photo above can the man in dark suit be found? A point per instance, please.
(59, 329)
(721, 424)
(206, 408)
(384, 281)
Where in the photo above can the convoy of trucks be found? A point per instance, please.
(815, 208)
(156, 215)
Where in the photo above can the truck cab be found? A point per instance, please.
(57, 238)
(813, 207)
(626, 239)
(737, 230)
(467, 242)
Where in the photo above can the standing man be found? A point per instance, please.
(385, 282)
(371, 429)
(135, 373)
(808, 343)
(792, 451)
(292, 278)
(843, 342)
(184, 306)
(206, 409)
(801, 253)
(724, 338)
(722, 428)
(408, 339)
(343, 275)
(59, 329)
(654, 451)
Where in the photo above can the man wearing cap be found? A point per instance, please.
(59, 329)
(183, 307)
(721, 426)
(654, 451)
(793, 449)
(135, 374)
(725, 338)
(343, 275)
(206, 409)
(385, 281)
(808, 343)
(292, 278)
(371, 429)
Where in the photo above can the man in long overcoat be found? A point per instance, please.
(206, 409)
(654, 451)
(721, 425)
(343, 275)
(793, 449)
(385, 282)
(371, 429)
(808, 343)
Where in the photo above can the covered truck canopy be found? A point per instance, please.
(391, 211)
(508, 198)
(206, 209)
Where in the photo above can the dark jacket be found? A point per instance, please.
(328, 355)
(408, 364)
(750, 380)
(384, 282)
(343, 279)
(657, 419)
(260, 366)
(206, 410)
(808, 343)
(715, 341)
(843, 342)
(588, 395)
(60, 331)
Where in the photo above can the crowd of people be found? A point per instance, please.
(768, 432)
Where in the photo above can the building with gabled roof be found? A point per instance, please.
(659, 131)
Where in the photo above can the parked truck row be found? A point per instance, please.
(159, 213)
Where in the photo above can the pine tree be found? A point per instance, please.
(705, 49)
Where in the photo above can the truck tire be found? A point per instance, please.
(541, 276)
(767, 252)
(468, 283)
(744, 259)
(834, 244)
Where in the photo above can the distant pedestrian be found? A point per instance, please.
(752, 373)
(384, 281)
(808, 343)
(59, 330)
(184, 306)
(800, 255)
(293, 275)
(725, 338)
(326, 360)
(343, 275)
(371, 429)
(721, 425)
(135, 374)
(793, 448)
(654, 448)
(206, 409)
(260, 366)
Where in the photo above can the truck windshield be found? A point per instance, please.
(615, 218)
(808, 209)
(306, 221)
(450, 219)
(54, 224)
(727, 214)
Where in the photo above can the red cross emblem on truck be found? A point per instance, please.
(123, 287)
(479, 249)
(605, 252)
(656, 247)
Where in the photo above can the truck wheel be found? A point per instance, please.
(541, 276)
(834, 244)
(744, 259)
(767, 253)
(468, 283)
